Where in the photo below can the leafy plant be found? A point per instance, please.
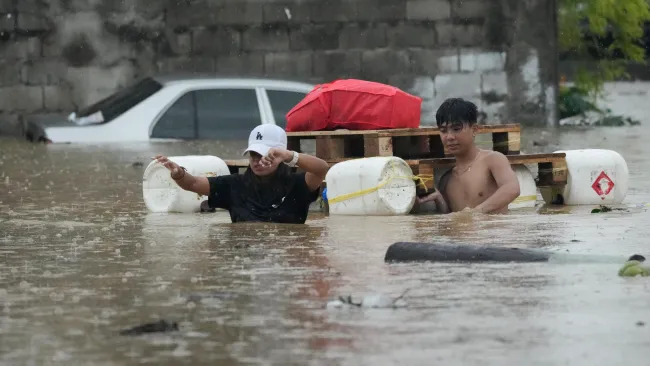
(574, 100)
(621, 20)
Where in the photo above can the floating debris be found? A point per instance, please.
(603, 209)
(160, 326)
(370, 301)
(634, 267)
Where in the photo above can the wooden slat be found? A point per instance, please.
(328, 147)
(446, 162)
(507, 143)
(425, 130)
(514, 159)
(483, 129)
(377, 146)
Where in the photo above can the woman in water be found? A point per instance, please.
(268, 191)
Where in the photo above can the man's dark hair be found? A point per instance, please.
(456, 110)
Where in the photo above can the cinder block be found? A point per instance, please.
(31, 22)
(460, 85)
(337, 64)
(448, 64)
(467, 59)
(9, 72)
(73, 6)
(32, 6)
(428, 9)
(57, 99)
(43, 72)
(296, 64)
(11, 125)
(204, 13)
(468, 35)
(217, 42)
(6, 6)
(380, 10)
(470, 9)
(490, 61)
(378, 65)
(265, 39)
(494, 82)
(444, 33)
(333, 11)
(244, 63)
(412, 35)
(315, 37)
(286, 12)
(177, 43)
(21, 98)
(7, 22)
(186, 64)
(363, 36)
(424, 61)
(233, 12)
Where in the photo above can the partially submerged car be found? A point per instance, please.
(176, 108)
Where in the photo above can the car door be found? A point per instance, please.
(281, 101)
(222, 113)
(227, 113)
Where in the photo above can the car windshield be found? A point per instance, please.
(123, 100)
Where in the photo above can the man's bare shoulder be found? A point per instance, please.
(496, 158)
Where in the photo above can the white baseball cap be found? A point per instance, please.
(266, 136)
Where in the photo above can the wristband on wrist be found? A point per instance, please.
(294, 160)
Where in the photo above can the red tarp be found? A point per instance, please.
(355, 105)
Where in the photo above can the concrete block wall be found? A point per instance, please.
(58, 55)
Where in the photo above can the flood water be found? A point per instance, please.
(81, 259)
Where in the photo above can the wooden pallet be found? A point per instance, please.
(552, 168)
(408, 143)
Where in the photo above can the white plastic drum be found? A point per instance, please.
(527, 189)
(376, 186)
(595, 177)
(162, 194)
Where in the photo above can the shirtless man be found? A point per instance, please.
(482, 180)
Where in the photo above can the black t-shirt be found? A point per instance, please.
(290, 206)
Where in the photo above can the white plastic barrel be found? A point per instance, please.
(527, 188)
(595, 176)
(376, 186)
(162, 194)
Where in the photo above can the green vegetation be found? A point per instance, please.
(583, 24)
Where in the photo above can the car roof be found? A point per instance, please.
(220, 79)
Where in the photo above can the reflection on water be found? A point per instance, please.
(82, 259)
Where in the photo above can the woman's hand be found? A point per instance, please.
(176, 171)
(275, 156)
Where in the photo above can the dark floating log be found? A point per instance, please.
(438, 252)
(160, 326)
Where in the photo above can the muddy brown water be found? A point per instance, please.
(81, 259)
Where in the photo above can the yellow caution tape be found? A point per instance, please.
(520, 199)
(421, 179)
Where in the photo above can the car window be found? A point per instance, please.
(178, 122)
(122, 100)
(281, 103)
(227, 113)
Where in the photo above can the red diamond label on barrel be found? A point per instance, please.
(603, 185)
